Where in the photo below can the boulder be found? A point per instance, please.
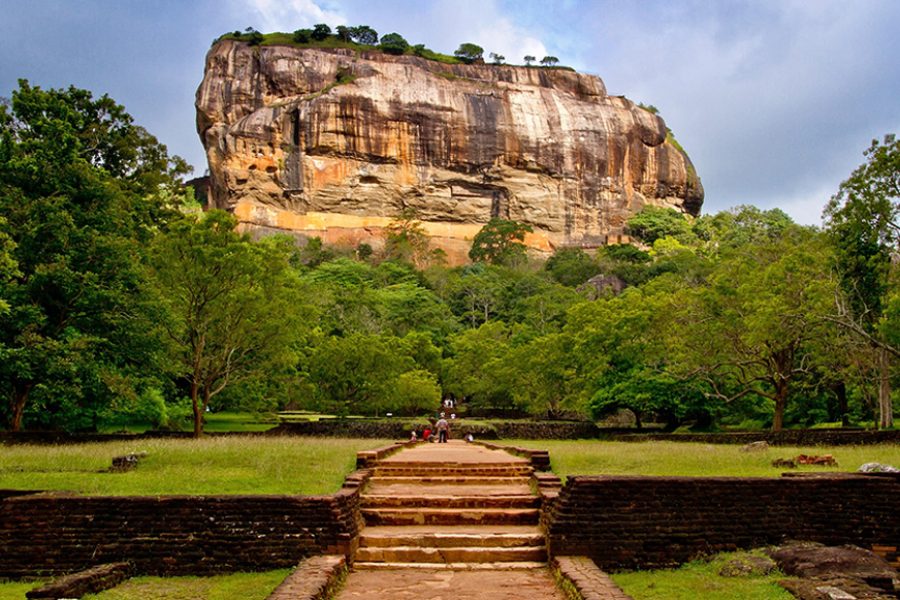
(335, 143)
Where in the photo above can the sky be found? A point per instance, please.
(774, 100)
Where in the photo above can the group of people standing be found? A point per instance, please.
(441, 429)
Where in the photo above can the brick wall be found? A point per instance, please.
(787, 437)
(169, 535)
(648, 522)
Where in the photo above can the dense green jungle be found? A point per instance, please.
(122, 300)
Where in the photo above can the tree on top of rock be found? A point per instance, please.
(549, 61)
(469, 52)
(363, 34)
(393, 43)
(320, 32)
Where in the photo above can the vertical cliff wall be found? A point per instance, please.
(334, 143)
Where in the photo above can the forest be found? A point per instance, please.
(121, 299)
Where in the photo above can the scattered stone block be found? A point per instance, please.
(850, 569)
(126, 462)
(784, 463)
(314, 578)
(744, 566)
(760, 446)
(825, 459)
(91, 581)
(874, 467)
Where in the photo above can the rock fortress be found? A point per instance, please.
(335, 143)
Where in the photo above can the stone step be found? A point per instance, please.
(418, 554)
(439, 470)
(456, 566)
(451, 537)
(467, 501)
(450, 516)
(449, 480)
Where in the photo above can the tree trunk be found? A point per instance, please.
(885, 406)
(198, 414)
(17, 406)
(840, 392)
(781, 393)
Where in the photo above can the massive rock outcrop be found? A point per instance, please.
(334, 143)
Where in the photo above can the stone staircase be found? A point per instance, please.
(455, 505)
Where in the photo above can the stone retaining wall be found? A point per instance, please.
(652, 522)
(787, 437)
(46, 534)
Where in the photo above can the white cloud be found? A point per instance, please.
(287, 15)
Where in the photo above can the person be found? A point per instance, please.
(413, 436)
(470, 437)
(443, 429)
(426, 435)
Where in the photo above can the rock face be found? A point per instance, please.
(335, 143)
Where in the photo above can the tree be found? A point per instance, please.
(497, 58)
(655, 222)
(320, 32)
(393, 43)
(232, 306)
(254, 38)
(363, 34)
(469, 53)
(81, 189)
(549, 61)
(529, 59)
(405, 239)
(751, 331)
(344, 33)
(863, 227)
(572, 266)
(302, 36)
(499, 242)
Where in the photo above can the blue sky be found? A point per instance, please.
(774, 100)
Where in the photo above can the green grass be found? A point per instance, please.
(594, 457)
(232, 465)
(15, 590)
(217, 422)
(247, 586)
(700, 579)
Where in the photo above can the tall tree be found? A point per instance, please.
(863, 226)
(749, 332)
(232, 306)
(81, 189)
(500, 242)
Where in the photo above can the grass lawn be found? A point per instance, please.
(15, 590)
(246, 586)
(700, 579)
(232, 465)
(215, 422)
(592, 457)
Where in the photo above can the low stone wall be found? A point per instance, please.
(788, 437)
(400, 429)
(653, 522)
(47, 534)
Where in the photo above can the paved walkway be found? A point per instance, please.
(451, 521)
(450, 584)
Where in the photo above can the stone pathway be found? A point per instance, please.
(451, 521)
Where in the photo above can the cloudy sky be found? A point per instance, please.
(774, 100)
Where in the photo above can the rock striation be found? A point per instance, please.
(335, 143)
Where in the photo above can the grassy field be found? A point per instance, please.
(232, 465)
(247, 586)
(591, 457)
(700, 579)
(15, 590)
(214, 423)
